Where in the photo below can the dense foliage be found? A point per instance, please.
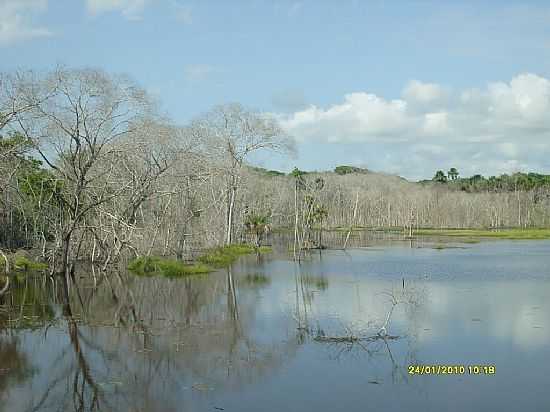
(518, 181)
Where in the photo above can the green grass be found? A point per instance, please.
(24, 263)
(471, 234)
(213, 259)
(155, 265)
(221, 257)
(471, 241)
(21, 263)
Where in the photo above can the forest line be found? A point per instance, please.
(91, 171)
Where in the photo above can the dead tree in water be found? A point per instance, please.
(352, 220)
(75, 130)
(231, 135)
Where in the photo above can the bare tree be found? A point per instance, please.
(75, 130)
(231, 135)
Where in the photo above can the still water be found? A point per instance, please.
(273, 335)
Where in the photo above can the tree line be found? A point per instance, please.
(90, 171)
(518, 181)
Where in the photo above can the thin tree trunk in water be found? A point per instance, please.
(232, 295)
(6, 286)
(352, 220)
(519, 210)
(7, 268)
(66, 266)
(229, 236)
(295, 217)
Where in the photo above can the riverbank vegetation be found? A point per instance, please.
(512, 234)
(210, 260)
(91, 171)
(155, 265)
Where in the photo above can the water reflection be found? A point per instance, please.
(271, 334)
(15, 367)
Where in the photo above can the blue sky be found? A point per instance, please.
(401, 87)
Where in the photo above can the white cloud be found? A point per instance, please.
(362, 116)
(501, 128)
(16, 21)
(436, 124)
(130, 9)
(420, 92)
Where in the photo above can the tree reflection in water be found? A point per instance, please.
(129, 343)
(133, 344)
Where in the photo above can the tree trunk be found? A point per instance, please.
(352, 220)
(231, 206)
(66, 266)
(295, 218)
(7, 268)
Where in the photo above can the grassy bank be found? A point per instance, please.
(211, 260)
(221, 257)
(470, 235)
(156, 265)
(20, 262)
(512, 234)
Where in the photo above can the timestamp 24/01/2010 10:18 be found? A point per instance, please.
(451, 369)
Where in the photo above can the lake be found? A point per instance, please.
(270, 334)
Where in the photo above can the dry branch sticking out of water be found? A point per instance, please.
(354, 339)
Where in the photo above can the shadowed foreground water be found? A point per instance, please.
(258, 336)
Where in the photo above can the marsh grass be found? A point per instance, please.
(24, 263)
(21, 263)
(221, 257)
(155, 265)
(470, 234)
(211, 260)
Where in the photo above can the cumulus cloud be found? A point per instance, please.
(16, 21)
(500, 128)
(130, 9)
(417, 91)
(362, 116)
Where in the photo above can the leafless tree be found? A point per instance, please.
(77, 131)
(231, 135)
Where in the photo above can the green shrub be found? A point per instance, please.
(221, 257)
(215, 258)
(24, 263)
(155, 265)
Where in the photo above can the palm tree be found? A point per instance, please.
(453, 173)
(440, 177)
(258, 225)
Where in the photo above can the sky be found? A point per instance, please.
(402, 87)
